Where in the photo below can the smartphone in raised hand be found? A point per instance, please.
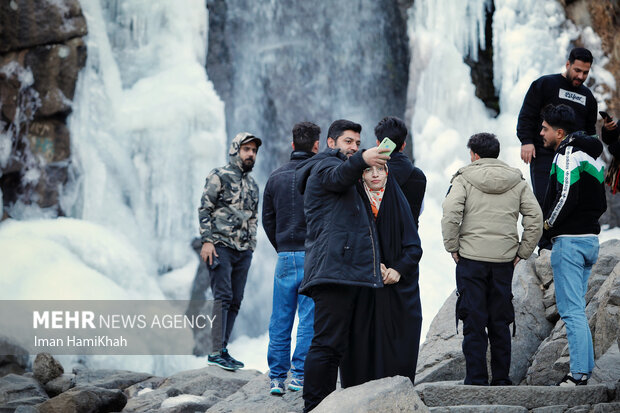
(388, 144)
(605, 115)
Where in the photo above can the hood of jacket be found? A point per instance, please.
(490, 175)
(305, 167)
(589, 144)
(233, 150)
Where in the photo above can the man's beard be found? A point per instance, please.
(575, 82)
(247, 165)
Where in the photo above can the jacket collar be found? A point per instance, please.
(301, 155)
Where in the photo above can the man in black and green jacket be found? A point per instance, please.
(574, 202)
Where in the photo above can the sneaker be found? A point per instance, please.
(226, 356)
(296, 384)
(277, 387)
(570, 381)
(218, 360)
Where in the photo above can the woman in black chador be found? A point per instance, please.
(385, 333)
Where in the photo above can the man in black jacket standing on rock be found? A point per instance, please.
(567, 88)
(342, 251)
(411, 180)
(285, 225)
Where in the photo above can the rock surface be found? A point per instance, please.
(20, 390)
(15, 359)
(529, 397)
(392, 394)
(217, 391)
(210, 382)
(255, 397)
(607, 318)
(46, 368)
(441, 357)
(550, 361)
(109, 379)
(27, 23)
(59, 384)
(41, 54)
(85, 399)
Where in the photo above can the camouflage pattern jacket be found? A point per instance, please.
(229, 204)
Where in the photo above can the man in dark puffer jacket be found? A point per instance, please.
(342, 251)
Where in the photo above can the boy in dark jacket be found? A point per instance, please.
(574, 202)
(342, 251)
(285, 226)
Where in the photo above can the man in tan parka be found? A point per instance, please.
(479, 226)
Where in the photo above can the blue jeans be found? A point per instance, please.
(572, 259)
(288, 276)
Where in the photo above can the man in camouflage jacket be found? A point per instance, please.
(228, 222)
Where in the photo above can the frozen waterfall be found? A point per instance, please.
(147, 126)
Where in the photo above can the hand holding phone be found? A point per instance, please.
(605, 115)
(388, 144)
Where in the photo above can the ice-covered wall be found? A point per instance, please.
(147, 125)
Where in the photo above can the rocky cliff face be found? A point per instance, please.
(41, 54)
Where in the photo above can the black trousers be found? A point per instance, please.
(540, 167)
(334, 306)
(228, 283)
(485, 302)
